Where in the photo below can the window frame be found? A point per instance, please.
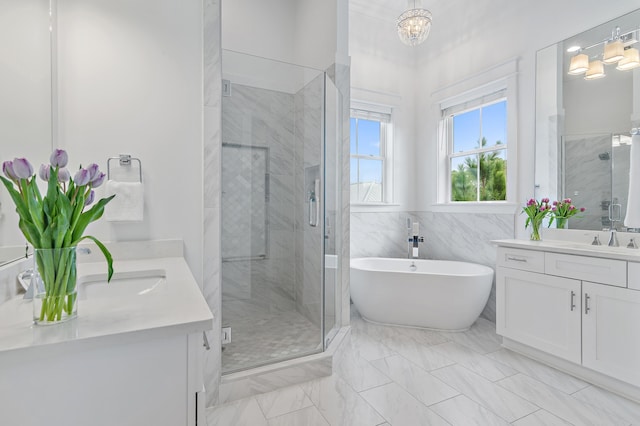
(383, 115)
(506, 85)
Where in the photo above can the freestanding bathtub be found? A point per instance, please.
(433, 294)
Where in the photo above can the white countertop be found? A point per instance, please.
(175, 307)
(572, 247)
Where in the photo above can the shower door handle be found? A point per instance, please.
(314, 210)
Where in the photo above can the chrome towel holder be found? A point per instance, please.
(124, 161)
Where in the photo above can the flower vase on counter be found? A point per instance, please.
(54, 224)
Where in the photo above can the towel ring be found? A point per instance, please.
(124, 160)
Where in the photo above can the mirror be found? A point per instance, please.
(25, 101)
(583, 125)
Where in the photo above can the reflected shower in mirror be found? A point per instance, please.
(26, 101)
(583, 123)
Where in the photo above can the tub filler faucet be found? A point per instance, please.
(414, 239)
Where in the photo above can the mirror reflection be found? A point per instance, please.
(25, 100)
(587, 102)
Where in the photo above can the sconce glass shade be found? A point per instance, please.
(630, 61)
(596, 70)
(579, 64)
(613, 52)
(413, 26)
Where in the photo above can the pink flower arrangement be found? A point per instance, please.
(536, 211)
(561, 211)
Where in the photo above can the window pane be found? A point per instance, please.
(352, 136)
(493, 175)
(466, 131)
(464, 178)
(368, 137)
(370, 181)
(354, 170)
(494, 124)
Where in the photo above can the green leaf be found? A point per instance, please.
(89, 216)
(105, 252)
(21, 206)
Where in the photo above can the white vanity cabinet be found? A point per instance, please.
(572, 307)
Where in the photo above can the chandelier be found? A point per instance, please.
(414, 25)
(617, 50)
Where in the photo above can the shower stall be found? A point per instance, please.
(280, 195)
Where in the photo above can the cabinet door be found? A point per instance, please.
(611, 331)
(539, 310)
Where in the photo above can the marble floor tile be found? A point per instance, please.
(422, 385)
(502, 402)
(244, 412)
(559, 403)
(541, 418)
(340, 404)
(283, 401)
(369, 348)
(424, 356)
(472, 360)
(461, 411)
(398, 407)
(611, 403)
(357, 371)
(309, 416)
(545, 374)
(481, 337)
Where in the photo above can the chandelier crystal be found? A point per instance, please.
(414, 25)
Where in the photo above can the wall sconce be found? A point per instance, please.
(617, 49)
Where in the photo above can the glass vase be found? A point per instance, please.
(562, 222)
(535, 231)
(55, 297)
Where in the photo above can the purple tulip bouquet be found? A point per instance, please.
(536, 212)
(54, 224)
(562, 211)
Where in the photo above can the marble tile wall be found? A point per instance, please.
(212, 166)
(448, 236)
(587, 179)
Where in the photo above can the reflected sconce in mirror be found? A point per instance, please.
(617, 49)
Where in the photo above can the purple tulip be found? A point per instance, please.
(90, 198)
(555, 203)
(93, 171)
(22, 168)
(64, 175)
(554, 208)
(81, 177)
(572, 207)
(582, 209)
(7, 169)
(59, 158)
(545, 200)
(567, 200)
(44, 172)
(98, 179)
(531, 202)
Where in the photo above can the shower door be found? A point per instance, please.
(272, 211)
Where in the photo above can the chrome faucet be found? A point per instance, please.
(613, 238)
(414, 240)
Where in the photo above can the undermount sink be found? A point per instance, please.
(122, 284)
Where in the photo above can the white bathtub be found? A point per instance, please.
(433, 294)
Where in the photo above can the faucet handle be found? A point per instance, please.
(632, 244)
(596, 241)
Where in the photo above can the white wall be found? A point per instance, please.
(130, 81)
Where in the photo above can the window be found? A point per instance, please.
(476, 140)
(370, 137)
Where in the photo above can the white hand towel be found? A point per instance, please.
(128, 204)
(632, 218)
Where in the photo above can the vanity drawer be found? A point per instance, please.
(595, 269)
(634, 275)
(525, 260)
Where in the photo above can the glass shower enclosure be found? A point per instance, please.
(278, 211)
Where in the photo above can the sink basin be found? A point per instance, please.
(123, 284)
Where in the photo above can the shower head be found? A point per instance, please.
(604, 156)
